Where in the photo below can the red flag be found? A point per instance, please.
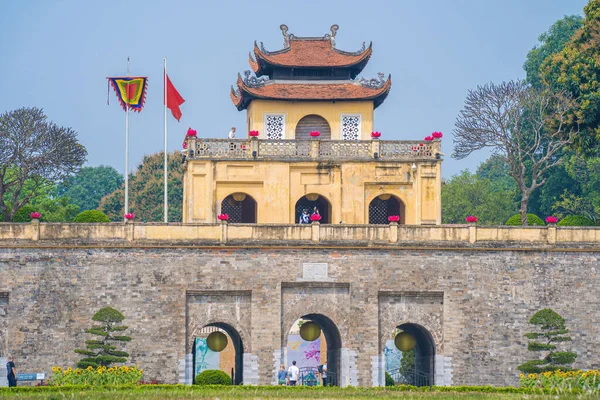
(174, 99)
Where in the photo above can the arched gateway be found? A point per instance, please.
(412, 355)
(229, 359)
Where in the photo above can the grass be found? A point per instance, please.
(240, 392)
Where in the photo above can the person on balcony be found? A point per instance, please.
(304, 218)
(231, 134)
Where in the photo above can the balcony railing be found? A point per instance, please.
(257, 149)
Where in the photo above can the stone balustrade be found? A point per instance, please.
(259, 149)
(343, 235)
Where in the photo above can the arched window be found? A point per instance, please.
(384, 206)
(309, 202)
(240, 207)
(312, 123)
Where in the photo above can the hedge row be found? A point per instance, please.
(266, 390)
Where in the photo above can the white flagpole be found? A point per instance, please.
(127, 151)
(166, 198)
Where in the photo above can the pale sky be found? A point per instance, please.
(56, 54)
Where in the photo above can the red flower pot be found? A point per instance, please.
(315, 134)
(223, 217)
(437, 135)
(551, 220)
(191, 132)
(394, 218)
(253, 133)
(429, 138)
(471, 219)
(129, 216)
(315, 217)
(35, 215)
(375, 135)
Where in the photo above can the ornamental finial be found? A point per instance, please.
(284, 32)
(333, 31)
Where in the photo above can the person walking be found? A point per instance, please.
(231, 134)
(293, 373)
(282, 375)
(11, 372)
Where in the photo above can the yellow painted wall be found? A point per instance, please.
(276, 186)
(294, 111)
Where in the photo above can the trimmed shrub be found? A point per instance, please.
(532, 220)
(212, 377)
(91, 216)
(22, 214)
(575, 220)
(389, 381)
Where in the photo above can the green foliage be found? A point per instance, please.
(146, 191)
(212, 377)
(575, 70)
(407, 366)
(551, 42)
(91, 216)
(491, 200)
(23, 214)
(389, 381)
(101, 352)
(532, 220)
(552, 330)
(88, 186)
(575, 220)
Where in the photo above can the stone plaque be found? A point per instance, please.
(314, 272)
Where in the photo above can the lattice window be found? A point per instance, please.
(351, 127)
(275, 126)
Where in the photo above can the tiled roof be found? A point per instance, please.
(309, 53)
(288, 90)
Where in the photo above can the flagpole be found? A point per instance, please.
(127, 151)
(166, 198)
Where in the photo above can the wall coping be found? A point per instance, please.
(198, 235)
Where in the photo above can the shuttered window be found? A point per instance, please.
(312, 123)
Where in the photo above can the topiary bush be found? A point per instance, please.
(532, 220)
(212, 377)
(91, 216)
(22, 214)
(575, 220)
(389, 381)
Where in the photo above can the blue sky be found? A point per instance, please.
(57, 54)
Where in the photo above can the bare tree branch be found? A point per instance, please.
(529, 127)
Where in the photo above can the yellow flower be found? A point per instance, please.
(521, 376)
(59, 369)
(54, 369)
(90, 368)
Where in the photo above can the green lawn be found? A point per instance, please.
(224, 393)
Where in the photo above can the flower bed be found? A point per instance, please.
(564, 381)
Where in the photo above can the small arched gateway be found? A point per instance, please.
(384, 206)
(417, 354)
(309, 202)
(228, 359)
(240, 207)
(312, 123)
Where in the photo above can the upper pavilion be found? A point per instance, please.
(309, 85)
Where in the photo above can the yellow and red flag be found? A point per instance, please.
(131, 91)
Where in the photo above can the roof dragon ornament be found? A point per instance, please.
(373, 83)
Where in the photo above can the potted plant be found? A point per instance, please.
(223, 217)
(315, 134)
(315, 218)
(191, 132)
(471, 219)
(437, 135)
(253, 134)
(551, 220)
(35, 215)
(394, 218)
(429, 138)
(129, 216)
(375, 135)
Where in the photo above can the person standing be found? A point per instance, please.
(11, 372)
(293, 373)
(282, 376)
(231, 134)
(324, 374)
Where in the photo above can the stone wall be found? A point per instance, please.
(474, 302)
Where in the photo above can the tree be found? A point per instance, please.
(35, 151)
(102, 352)
(552, 42)
(407, 367)
(146, 191)
(88, 186)
(527, 126)
(575, 70)
(551, 332)
(469, 194)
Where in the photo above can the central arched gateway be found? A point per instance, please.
(309, 355)
(309, 202)
(312, 123)
(201, 353)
